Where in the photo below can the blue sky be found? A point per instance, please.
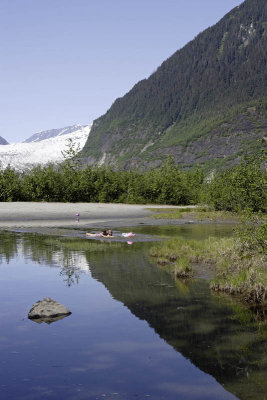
(66, 61)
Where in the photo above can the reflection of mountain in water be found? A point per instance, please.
(42, 250)
(45, 253)
(215, 334)
(200, 326)
(71, 259)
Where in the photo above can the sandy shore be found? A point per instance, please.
(21, 214)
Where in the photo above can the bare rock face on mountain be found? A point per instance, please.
(48, 310)
(3, 141)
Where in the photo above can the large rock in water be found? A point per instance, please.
(48, 310)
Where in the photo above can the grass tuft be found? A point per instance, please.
(199, 214)
(240, 265)
(90, 246)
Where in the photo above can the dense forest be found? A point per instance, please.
(210, 91)
(238, 188)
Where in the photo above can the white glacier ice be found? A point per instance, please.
(24, 155)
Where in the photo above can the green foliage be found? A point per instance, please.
(199, 214)
(88, 246)
(66, 183)
(41, 184)
(10, 185)
(241, 269)
(252, 234)
(239, 262)
(240, 187)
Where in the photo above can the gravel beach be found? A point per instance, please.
(22, 214)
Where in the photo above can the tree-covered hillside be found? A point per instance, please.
(205, 104)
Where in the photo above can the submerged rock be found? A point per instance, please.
(48, 310)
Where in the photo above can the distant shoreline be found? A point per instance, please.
(42, 214)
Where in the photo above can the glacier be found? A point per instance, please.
(39, 136)
(26, 155)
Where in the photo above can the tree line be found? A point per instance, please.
(240, 187)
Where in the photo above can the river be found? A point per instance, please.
(134, 332)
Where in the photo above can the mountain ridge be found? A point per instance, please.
(3, 141)
(218, 78)
(50, 133)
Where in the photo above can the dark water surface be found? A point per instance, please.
(187, 231)
(133, 333)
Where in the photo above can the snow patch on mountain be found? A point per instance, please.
(39, 136)
(22, 156)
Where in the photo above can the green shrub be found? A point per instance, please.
(241, 187)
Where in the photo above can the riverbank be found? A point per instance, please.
(236, 273)
(33, 214)
(239, 262)
(200, 214)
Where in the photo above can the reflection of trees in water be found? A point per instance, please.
(9, 245)
(70, 274)
(37, 249)
(216, 335)
(219, 339)
(47, 251)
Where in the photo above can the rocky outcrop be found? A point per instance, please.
(48, 310)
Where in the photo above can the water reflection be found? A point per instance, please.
(212, 332)
(46, 251)
(71, 275)
(205, 328)
(187, 231)
(48, 320)
(9, 246)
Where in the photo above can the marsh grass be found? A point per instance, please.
(86, 245)
(200, 214)
(240, 266)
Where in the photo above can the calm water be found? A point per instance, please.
(133, 333)
(187, 231)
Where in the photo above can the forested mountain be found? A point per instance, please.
(206, 104)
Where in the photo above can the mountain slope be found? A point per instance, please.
(22, 156)
(205, 104)
(3, 141)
